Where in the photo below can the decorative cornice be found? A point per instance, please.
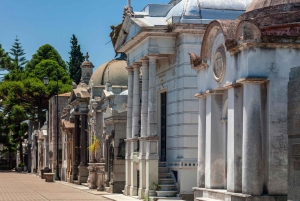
(253, 80)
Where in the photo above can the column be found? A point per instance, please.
(129, 102)
(136, 114)
(83, 171)
(128, 132)
(144, 120)
(98, 133)
(235, 139)
(152, 98)
(83, 140)
(152, 138)
(215, 143)
(252, 140)
(201, 142)
(76, 149)
(145, 86)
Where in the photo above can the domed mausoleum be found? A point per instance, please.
(248, 75)
(204, 11)
(107, 122)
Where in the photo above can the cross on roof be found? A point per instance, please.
(87, 56)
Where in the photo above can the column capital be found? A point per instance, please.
(129, 68)
(145, 62)
(152, 57)
(253, 80)
(207, 93)
(137, 65)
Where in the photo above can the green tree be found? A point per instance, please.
(43, 53)
(75, 60)
(17, 54)
(5, 61)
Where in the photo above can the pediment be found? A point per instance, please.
(129, 29)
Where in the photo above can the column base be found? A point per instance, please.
(126, 190)
(149, 193)
(133, 191)
(83, 174)
(141, 193)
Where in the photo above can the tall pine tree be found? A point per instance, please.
(17, 54)
(76, 58)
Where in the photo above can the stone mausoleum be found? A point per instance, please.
(243, 72)
(162, 113)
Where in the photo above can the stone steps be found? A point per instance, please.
(165, 181)
(167, 188)
(163, 170)
(167, 193)
(165, 175)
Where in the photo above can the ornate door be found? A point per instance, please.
(163, 131)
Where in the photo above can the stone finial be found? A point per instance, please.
(87, 56)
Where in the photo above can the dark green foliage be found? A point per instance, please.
(45, 52)
(76, 58)
(5, 61)
(24, 95)
(17, 54)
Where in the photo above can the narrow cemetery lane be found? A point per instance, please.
(19, 186)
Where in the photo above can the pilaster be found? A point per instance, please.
(235, 139)
(152, 98)
(252, 181)
(215, 142)
(201, 142)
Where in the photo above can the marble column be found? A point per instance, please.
(76, 149)
(145, 87)
(144, 120)
(136, 110)
(152, 138)
(235, 139)
(201, 142)
(152, 98)
(129, 102)
(128, 131)
(252, 180)
(215, 143)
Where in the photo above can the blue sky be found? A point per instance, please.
(38, 22)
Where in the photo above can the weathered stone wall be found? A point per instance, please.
(294, 135)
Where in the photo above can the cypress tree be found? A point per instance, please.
(75, 60)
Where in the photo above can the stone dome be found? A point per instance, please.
(113, 71)
(205, 11)
(258, 4)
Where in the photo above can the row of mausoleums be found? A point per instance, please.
(198, 111)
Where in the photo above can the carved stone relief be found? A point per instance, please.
(219, 64)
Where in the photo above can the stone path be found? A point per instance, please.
(23, 187)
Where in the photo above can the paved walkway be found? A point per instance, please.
(22, 187)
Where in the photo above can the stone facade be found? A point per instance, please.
(162, 121)
(52, 132)
(243, 73)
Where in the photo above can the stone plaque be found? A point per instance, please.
(219, 64)
(296, 150)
